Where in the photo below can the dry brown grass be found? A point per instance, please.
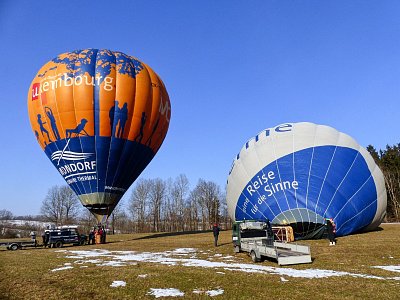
(26, 274)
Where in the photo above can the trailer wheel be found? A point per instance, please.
(14, 247)
(254, 257)
(58, 244)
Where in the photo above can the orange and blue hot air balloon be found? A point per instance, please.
(100, 116)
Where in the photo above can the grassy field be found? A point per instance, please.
(27, 274)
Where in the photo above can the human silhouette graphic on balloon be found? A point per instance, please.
(114, 110)
(123, 117)
(118, 118)
(53, 124)
(148, 143)
(139, 137)
(41, 126)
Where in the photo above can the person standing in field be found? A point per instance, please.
(94, 236)
(216, 233)
(91, 236)
(331, 228)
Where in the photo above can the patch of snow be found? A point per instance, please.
(62, 268)
(117, 283)
(171, 292)
(143, 275)
(88, 261)
(184, 251)
(220, 273)
(217, 255)
(213, 293)
(283, 279)
(121, 258)
(388, 268)
(84, 266)
(112, 263)
(29, 223)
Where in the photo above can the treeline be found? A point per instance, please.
(154, 205)
(157, 205)
(388, 161)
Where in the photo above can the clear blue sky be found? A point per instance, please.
(232, 69)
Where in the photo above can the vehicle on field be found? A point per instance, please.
(259, 240)
(15, 245)
(60, 236)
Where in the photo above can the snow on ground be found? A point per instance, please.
(389, 268)
(29, 223)
(186, 257)
(117, 283)
(62, 268)
(165, 293)
(213, 293)
(210, 293)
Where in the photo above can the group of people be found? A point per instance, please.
(97, 235)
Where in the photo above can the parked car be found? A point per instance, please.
(65, 235)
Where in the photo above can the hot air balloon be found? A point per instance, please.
(301, 174)
(100, 116)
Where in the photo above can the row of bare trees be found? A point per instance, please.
(155, 205)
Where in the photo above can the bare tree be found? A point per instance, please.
(179, 193)
(207, 194)
(138, 204)
(5, 214)
(61, 206)
(87, 220)
(119, 219)
(157, 197)
(70, 204)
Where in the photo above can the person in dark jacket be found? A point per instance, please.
(94, 235)
(216, 233)
(91, 237)
(103, 236)
(331, 228)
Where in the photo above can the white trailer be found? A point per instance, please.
(257, 239)
(283, 253)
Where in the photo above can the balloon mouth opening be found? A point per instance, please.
(311, 226)
(308, 230)
(100, 211)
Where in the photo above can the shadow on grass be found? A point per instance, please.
(166, 234)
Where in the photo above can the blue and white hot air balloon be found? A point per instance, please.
(299, 174)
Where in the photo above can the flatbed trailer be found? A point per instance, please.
(283, 253)
(16, 245)
(258, 239)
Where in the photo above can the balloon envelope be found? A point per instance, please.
(100, 116)
(299, 174)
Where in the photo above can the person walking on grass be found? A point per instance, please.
(216, 233)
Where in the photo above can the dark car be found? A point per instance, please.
(66, 235)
